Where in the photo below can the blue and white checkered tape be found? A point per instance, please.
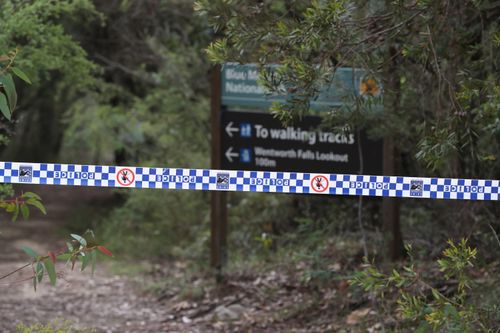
(248, 181)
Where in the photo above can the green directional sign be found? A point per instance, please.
(240, 87)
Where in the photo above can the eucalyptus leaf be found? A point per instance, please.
(29, 251)
(10, 208)
(39, 272)
(93, 259)
(4, 106)
(25, 211)
(20, 74)
(80, 239)
(10, 90)
(51, 271)
(64, 256)
(85, 261)
(31, 195)
(37, 204)
(16, 212)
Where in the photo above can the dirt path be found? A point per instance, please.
(105, 302)
(267, 302)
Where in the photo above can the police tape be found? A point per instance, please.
(248, 181)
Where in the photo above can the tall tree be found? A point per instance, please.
(437, 62)
(55, 62)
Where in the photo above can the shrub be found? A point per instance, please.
(422, 305)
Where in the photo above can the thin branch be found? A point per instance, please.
(397, 26)
(17, 281)
(126, 70)
(41, 258)
(438, 69)
(494, 233)
(12, 58)
(15, 271)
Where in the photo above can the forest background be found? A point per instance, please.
(127, 82)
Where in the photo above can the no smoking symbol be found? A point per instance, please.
(319, 184)
(125, 177)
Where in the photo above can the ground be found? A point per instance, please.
(106, 302)
(268, 301)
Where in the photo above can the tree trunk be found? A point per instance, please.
(391, 229)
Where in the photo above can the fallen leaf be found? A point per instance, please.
(357, 315)
(181, 306)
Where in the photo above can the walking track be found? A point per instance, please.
(105, 302)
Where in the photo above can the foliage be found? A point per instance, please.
(40, 34)
(436, 63)
(21, 205)
(267, 222)
(58, 326)
(424, 48)
(150, 107)
(37, 28)
(8, 94)
(82, 249)
(153, 223)
(150, 85)
(8, 102)
(422, 304)
(141, 97)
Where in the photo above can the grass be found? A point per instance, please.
(57, 326)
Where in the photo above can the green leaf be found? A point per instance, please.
(93, 259)
(34, 282)
(10, 90)
(4, 107)
(85, 261)
(64, 256)
(450, 310)
(37, 204)
(20, 74)
(424, 327)
(30, 252)
(80, 239)
(51, 271)
(31, 195)
(10, 208)
(25, 211)
(16, 212)
(39, 272)
(435, 294)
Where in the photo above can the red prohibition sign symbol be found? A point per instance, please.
(125, 177)
(319, 184)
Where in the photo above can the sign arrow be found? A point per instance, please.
(230, 129)
(230, 154)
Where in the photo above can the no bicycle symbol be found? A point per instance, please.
(319, 184)
(125, 177)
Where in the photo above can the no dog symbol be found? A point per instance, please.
(319, 184)
(125, 177)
